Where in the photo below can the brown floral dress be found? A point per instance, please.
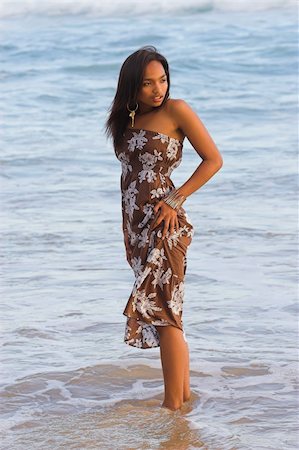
(147, 159)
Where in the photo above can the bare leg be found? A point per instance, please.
(175, 366)
(186, 388)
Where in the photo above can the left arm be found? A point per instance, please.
(193, 128)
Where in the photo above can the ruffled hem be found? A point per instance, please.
(143, 335)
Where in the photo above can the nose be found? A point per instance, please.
(156, 90)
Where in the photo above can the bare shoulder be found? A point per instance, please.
(182, 115)
(188, 122)
(175, 105)
(180, 111)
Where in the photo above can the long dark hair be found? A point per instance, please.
(129, 82)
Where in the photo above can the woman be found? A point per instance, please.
(148, 129)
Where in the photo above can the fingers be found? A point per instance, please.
(166, 226)
(156, 222)
(157, 206)
(167, 215)
(155, 210)
(173, 225)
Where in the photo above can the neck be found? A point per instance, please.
(145, 109)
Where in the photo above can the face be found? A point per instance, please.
(154, 86)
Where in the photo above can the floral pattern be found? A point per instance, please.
(129, 197)
(176, 302)
(147, 159)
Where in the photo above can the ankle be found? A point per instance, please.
(173, 406)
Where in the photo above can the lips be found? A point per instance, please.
(157, 99)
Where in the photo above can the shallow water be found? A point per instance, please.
(67, 378)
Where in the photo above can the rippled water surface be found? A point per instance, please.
(68, 379)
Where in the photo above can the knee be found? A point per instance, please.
(169, 330)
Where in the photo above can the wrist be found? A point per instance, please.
(174, 199)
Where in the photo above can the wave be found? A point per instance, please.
(133, 7)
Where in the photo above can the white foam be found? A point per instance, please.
(9, 8)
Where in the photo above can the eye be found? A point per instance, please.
(146, 83)
(164, 79)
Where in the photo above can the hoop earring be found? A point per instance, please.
(132, 113)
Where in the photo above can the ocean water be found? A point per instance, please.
(68, 381)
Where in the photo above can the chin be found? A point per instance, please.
(157, 103)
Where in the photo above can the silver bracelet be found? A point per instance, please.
(174, 199)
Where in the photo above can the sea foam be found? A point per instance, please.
(10, 8)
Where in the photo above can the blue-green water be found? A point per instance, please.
(68, 380)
